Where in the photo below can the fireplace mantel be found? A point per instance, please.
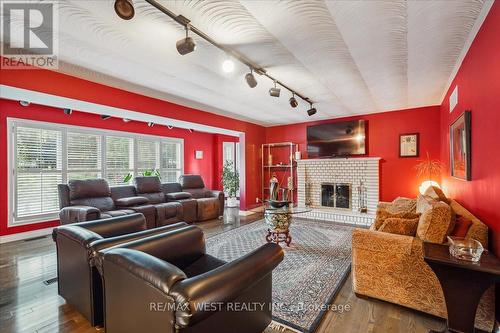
(312, 173)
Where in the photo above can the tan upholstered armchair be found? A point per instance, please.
(390, 267)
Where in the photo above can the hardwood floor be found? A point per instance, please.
(28, 305)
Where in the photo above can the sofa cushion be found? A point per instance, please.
(171, 187)
(436, 193)
(383, 214)
(402, 205)
(132, 201)
(197, 193)
(147, 184)
(101, 203)
(88, 188)
(123, 191)
(400, 226)
(178, 195)
(435, 223)
(191, 181)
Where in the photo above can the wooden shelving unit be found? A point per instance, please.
(283, 164)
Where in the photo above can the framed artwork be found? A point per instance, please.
(460, 143)
(408, 145)
(198, 154)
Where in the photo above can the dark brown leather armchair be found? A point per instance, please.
(79, 283)
(166, 212)
(210, 202)
(90, 199)
(172, 285)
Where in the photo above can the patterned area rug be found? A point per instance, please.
(315, 266)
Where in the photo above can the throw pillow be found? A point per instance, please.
(383, 214)
(407, 227)
(402, 205)
(437, 194)
(462, 225)
(435, 223)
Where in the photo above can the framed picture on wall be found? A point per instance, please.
(460, 144)
(408, 145)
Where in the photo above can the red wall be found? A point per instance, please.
(72, 87)
(192, 141)
(478, 81)
(397, 175)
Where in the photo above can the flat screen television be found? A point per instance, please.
(339, 139)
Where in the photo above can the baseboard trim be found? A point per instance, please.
(25, 235)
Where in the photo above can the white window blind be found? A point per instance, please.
(38, 170)
(84, 155)
(43, 155)
(119, 158)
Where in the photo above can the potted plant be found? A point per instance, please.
(146, 173)
(230, 183)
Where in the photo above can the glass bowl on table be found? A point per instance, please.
(467, 249)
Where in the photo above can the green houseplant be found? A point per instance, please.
(230, 183)
(146, 173)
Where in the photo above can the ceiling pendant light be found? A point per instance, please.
(185, 45)
(275, 92)
(311, 111)
(124, 9)
(228, 66)
(293, 101)
(250, 78)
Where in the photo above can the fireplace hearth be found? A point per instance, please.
(336, 195)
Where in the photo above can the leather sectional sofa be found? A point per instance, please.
(161, 204)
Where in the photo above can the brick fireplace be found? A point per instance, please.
(338, 189)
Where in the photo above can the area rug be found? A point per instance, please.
(315, 266)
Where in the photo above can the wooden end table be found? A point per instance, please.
(463, 284)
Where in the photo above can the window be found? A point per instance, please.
(44, 155)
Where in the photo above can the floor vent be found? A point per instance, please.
(50, 281)
(35, 238)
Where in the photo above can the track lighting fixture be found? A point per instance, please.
(105, 117)
(151, 124)
(126, 120)
(24, 103)
(293, 101)
(250, 78)
(311, 111)
(170, 126)
(228, 66)
(185, 45)
(124, 9)
(275, 92)
(67, 111)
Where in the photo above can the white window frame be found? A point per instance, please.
(13, 123)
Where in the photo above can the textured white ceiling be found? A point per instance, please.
(350, 57)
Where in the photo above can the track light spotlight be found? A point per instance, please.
(151, 124)
(24, 103)
(190, 130)
(67, 111)
(275, 92)
(124, 9)
(105, 117)
(250, 78)
(126, 120)
(311, 111)
(185, 45)
(170, 126)
(293, 101)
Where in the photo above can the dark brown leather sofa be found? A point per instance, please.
(90, 199)
(210, 202)
(79, 283)
(172, 285)
(166, 212)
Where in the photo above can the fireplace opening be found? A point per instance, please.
(336, 195)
